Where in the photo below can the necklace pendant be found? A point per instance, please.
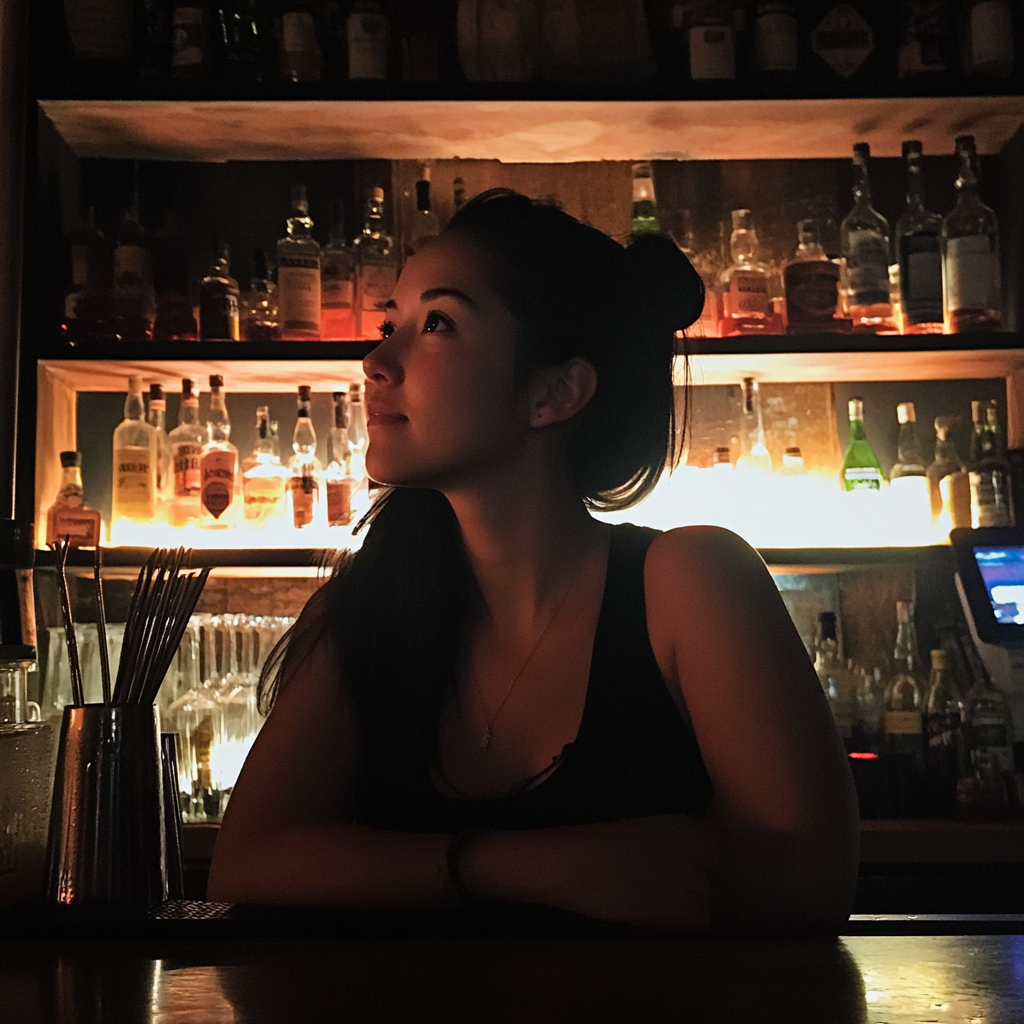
(485, 740)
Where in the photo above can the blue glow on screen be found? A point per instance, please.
(1002, 570)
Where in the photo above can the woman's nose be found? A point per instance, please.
(381, 362)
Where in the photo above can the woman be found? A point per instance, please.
(501, 699)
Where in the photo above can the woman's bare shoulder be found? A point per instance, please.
(701, 551)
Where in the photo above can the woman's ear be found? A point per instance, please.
(557, 393)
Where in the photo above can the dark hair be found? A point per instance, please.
(396, 610)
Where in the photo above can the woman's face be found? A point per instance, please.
(441, 399)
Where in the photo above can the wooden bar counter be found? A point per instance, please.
(194, 963)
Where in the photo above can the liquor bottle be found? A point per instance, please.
(304, 468)
(847, 46)
(186, 441)
(218, 464)
(711, 40)
(241, 31)
(423, 42)
(644, 218)
(709, 324)
(88, 306)
(153, 32)
(989, 471)
(746, 283)
(218, 299)
(986, 39)
(861, 470)
(834, 678)
(949, 486)
(376, 268)
(927, 44)
(497, 40)
(133, 280)
(903, 708)
(358, 437)
(918, 239)
(298, 274)
(262, 321)
(944, 732)
(776, 35)
(754, 454)
(811, 284)
(908, 479)
(368, 34)
(174, 320)
(263, 482)
(301, 59)
(337, 282)
(156, 417)
(793, 462)
(864, 238)
(190, 41)
(722, 459)
(424, 221)
(99, 33)
(69, 516)
(135, 457)
(970, 253)
(339, 480)
(988, 725)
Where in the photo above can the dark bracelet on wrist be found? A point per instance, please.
(457, 846)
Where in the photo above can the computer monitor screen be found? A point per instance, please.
(1002, 570)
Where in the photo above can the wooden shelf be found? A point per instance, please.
(525, 130)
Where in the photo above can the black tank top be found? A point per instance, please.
(634, 754)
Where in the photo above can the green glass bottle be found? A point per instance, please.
(861, 471)
(645, 208)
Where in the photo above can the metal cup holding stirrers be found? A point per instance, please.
(107, 840)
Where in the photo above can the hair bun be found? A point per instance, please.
(664, 281)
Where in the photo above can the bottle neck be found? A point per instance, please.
(157, 414)
(133, 406)
(967, 180)
(861, 184)
(908, 447)
(858, 432)
(299, 224)
(188, 411)
(915, 188)
(71, 479)
(743, 245)
(423, 196)
(217, 421)
(374, 224)
(945, 450)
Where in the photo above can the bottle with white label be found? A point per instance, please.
(337, 282)
(989, 472)
(424, 223)
(69, 516)
(986, 39)
(918, 251)
(301, 59)
(135, 458)
(776, 35)
(156, 416)
(190, 42)
(904, 719)
(298, 274)
(186, 441)
(711, 40)
(970, 253)
(989, 725)
(304, 469)
(341, 485)
(746, 283)
(218, 465)
(376, 268)
(368, 38)
(864, 239)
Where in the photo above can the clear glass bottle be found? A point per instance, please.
(811, 284)
(861, 470)
(186, 441)
(135, 458)
(644, 218)
(754, 454)
(304, 468)
(242, 37)
(358, 437)
(262, 322)
(864, 239)
(264, 480)
(218, 464)
(156, 416)
(298, 274)
(746, 283)
(904, 723)
(834, 678)
(340, 483)
(991, 487)
(970, 253)
(988, 726)
(776, 35)
(69, 516)
(949, 486)
(918, 240)
(376, 267)
(368, 34)
(175, 319)
(944, 732)
(218, 299)
(337, 282)
(908, 479)
(711, 37)
(986, 39)
(301, 59)
(424, 221)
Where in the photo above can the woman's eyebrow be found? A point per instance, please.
(453, 293)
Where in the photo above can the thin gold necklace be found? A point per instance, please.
(485, 739)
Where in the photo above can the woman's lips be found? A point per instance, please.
(382, 418)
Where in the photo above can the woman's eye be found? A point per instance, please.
(387, 328)
(437, 322)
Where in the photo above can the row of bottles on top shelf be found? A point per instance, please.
(192, 477)
(947, 740)
(678, 41)
(929, 275)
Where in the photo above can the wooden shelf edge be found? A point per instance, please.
(938, 841)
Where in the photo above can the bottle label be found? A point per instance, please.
(304, 492)
(991, 35)
(130, 266)
(843, 40)
(903, 723)
(218, 315)
(188, 479)
(775, 41)
(82, 525)
(217, 469)
(262, 497)
(298, 32)
(187, 37)
(712, 52)
(336, 289)
(339, 501)
(747, 295)
(924, 284)
(298, 282)
(990, 497)
(812, 290)
(367, 46)
(862, 478)
(377, 282)
(134, 483)
(867, 267)
(972, 273)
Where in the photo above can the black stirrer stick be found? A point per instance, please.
(101, 622)
(60, 554)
